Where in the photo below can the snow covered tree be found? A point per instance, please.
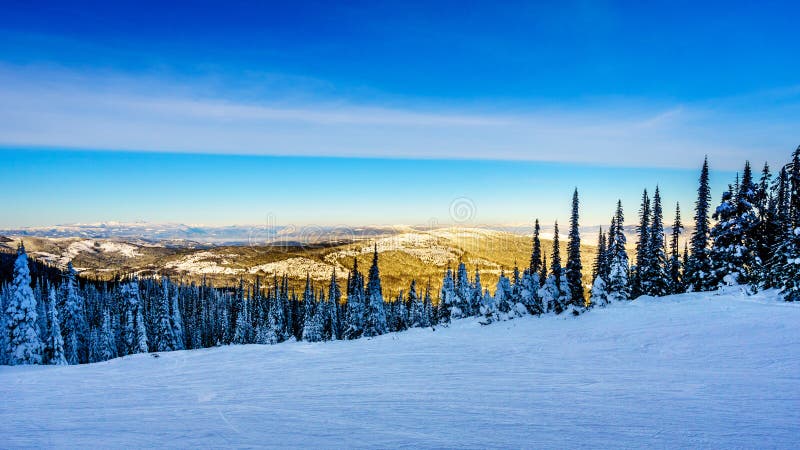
(103, 347)
(356, 307)
(786, 263)
(376, 308)
(24, 345)
(332, 329)
(477, 293)
(447, 299)
(73, 319)
(655, 281)
(698, 269)
(502, 295)
(557, 272)
(177, 322)
(536, 250)
(427, 303)
(463, 290)
(165, 334)
(675, 267)
(617, 286)
(600, 266)
(573, 274)
(54, 342)
(599, 294)
(733, 252)
(642, 247)
(134, 330)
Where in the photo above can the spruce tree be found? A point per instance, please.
(24, 344)
(618, 286)
(733, 252)
(698, 269)
(376, 309)
(536, 250)
(642, 248)
(573, 274)
(334, 298)
(447, 299)
(356, 308)
(463, 290)
(599, 266)
(73, 319)
(165, 334)
(675, 270)
(54, 344)
(655, 281)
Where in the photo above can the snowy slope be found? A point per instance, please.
(684, 371)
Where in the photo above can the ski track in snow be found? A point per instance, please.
(694, 370)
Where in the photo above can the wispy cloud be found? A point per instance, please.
(52, 108)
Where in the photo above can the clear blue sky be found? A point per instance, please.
(383, 112)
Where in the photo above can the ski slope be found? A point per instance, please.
(694, 370)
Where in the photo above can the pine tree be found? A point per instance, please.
(574, 276)
(733, 252)
(376, 309)
(477, 293)
(675, 269)
(502, 296)
(698, 269)
(536, 251)
(642, 248)
(177, 322)
(787, 265)
(557, 272)
(599, 268)
(447, 299)
(427, 302)
(165, 337)
(463, 291)
(134, 331)
(24, 345)
(73, 319)
(655, 281)
(54, 345)
(334, 298)
(356, 308)
(618, 287)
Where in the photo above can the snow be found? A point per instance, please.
(299, 266)
(693, 370)
(204, 263)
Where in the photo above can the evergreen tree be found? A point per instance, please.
(477, 293)
(599, 294)
(574, 275)
(536, 251)
(698, 269)
(599, 268)
(447, 299)
(557, 272)
(655, 281)
(733, 252)
(376, 309)
(54, 344)
(642, 248)
(24, 344)
(675, 270)
(73, 319)
(356, 308)
(165, 336)
(618, 287)
(428, 318)
(177, 322)
(334, 298)
(787, 253)
(463, 291)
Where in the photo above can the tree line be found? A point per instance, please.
(61, 318)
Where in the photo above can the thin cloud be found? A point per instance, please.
(67, 110)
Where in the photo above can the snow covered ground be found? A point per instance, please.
(683, 371)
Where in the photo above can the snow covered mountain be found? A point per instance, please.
(688, 371)
(406, 253)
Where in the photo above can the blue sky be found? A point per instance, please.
(327, 110)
